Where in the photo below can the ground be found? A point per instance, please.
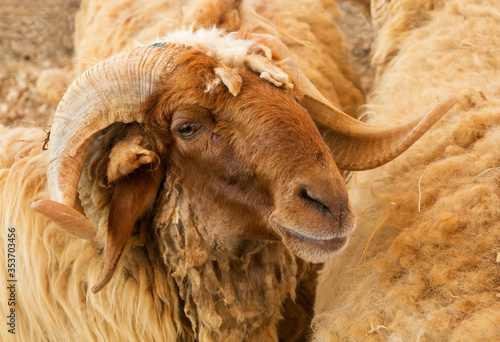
(37, 35)
(34, 36)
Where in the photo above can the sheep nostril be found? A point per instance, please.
(314, 200)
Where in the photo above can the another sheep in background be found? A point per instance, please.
(431, 270)
(307, 27)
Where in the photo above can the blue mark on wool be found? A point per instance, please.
(157, 45)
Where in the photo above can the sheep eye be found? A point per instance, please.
(188, 129)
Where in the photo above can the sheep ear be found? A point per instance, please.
(133, 197)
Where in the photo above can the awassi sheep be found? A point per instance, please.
(192, 186)
(423, 262)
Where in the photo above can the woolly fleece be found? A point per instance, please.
(428, 274)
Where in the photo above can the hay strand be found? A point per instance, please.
(420, 188)
(373, 234)
(378, 327)
(485, 172)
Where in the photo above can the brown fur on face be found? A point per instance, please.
(256, 167)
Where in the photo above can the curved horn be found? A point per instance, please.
(355, 145)
(109, 92)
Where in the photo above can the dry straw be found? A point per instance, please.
(485, 172)
(373, 234)
(420, 188)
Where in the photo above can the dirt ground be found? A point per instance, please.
(37, 35)
(34, 35)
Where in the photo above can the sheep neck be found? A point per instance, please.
(226, 294)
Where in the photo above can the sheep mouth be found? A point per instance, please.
(313, 248)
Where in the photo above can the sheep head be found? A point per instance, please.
(254, 165)
(232, 117)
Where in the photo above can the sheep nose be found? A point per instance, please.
(316, 201)
(325, 197)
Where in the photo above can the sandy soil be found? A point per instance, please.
(37, 35)
(34, 35)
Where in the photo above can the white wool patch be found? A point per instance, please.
(225, 48)
(212, 85)
(232, 54)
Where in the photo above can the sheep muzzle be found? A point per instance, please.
(314, 216)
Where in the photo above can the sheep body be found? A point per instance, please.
(429, 272)
(185, 290)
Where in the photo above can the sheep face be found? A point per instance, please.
(246, 154)
(253, 165)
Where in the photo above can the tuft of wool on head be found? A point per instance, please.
(307, 27)
(215, 42)
(232, 54)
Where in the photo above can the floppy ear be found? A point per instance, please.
(136, 174)
(112, 91)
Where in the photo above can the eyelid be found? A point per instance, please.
(199, 129)
(192, 113)
(181, 120)
(200, 117)
(192, 126)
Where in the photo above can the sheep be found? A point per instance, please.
(422, 264)
(195, 187)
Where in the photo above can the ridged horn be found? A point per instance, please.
(357, 146)
(109, 92)
(354, 145)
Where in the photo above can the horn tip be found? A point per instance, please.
(452, 97)
(67, 218)
(450, 100)
(97, 288)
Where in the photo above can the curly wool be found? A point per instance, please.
(53, 269)
(189, 288)
(428, 274)
(228, 295)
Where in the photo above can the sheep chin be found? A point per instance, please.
(317, 249)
